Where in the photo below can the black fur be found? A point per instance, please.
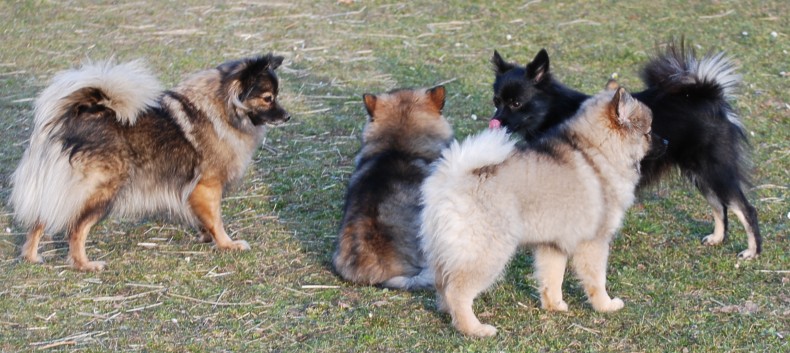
(135, 150)
(528, 100)
(690, 113)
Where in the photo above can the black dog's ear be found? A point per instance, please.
(370, 104)
(500, 65)
(538, 69)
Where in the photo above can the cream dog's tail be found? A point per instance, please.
(489, 147)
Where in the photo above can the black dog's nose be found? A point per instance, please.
(657, 138)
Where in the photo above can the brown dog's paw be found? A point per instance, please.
(235, 245)
(204, 237)
(90, 266)
(33, 259)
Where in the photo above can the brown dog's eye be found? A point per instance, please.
(268, 98)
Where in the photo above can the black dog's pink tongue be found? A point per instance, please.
(494, 124)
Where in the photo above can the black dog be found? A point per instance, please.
(688, 97)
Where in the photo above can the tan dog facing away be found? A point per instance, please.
(563, 195)
(108, 140)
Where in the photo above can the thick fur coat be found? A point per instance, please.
(377, 243)
(690, 99)
(565, 196)
(108, 140)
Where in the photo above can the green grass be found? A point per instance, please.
(183, 296)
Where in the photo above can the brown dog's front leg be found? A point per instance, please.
(205, 202)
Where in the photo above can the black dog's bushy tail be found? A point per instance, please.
(677, 70)
(691, 92)
(699, 89)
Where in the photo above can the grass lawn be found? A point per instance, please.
(178, 295)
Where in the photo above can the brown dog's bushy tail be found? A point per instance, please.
(46, 188)
(127, 89)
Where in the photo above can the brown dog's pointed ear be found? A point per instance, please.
(370, 104)
(274, 61)
(437, 95)
(500, 65)
(538, 69)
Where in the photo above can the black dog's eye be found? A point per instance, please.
(515, 105)
(497, 101)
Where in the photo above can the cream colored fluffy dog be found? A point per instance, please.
(564, 196)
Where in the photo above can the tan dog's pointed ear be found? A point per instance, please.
(370, 104)
(612, 85)
(437, 96)
(621, 107)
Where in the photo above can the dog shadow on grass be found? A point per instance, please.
(678, 218)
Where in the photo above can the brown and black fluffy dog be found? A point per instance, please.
(378, 242)
(107, 140)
